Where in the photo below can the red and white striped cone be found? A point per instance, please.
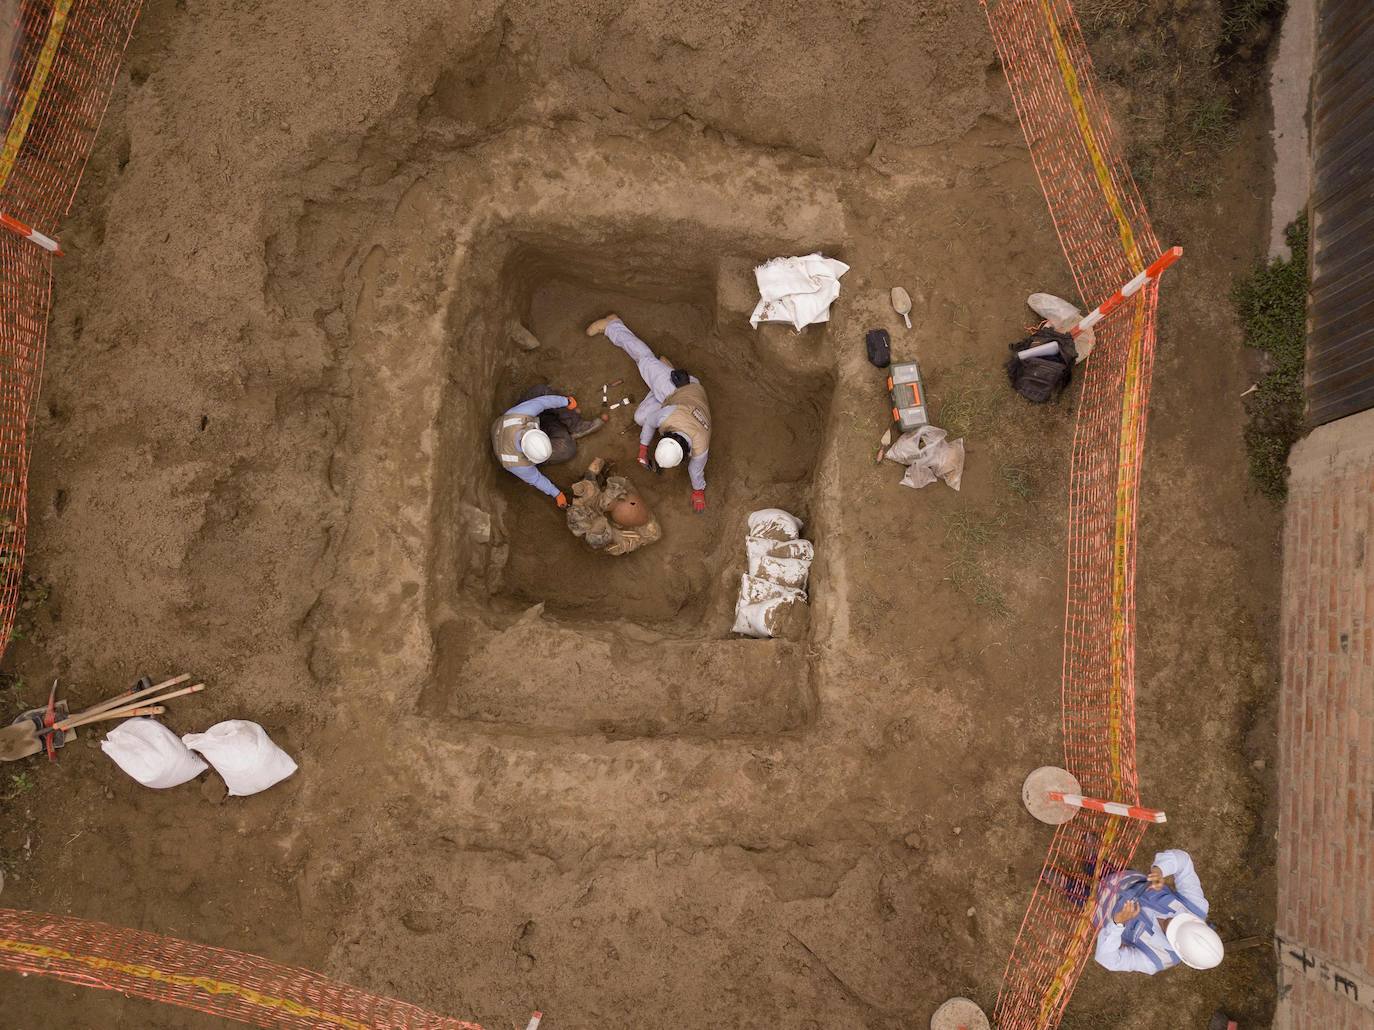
(1053, 796)
(1109, 305)
(28, 232)
(959, 1014)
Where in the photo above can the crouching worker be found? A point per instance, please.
(608, 513)
(1155, 925)
(536, 431)
(676, 409)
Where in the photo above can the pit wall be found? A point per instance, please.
(1325, 925)
(428, 331)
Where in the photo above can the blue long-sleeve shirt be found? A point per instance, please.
(530, 473)
(1120, 956)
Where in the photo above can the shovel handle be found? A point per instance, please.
(81, 717)
(130, 695)
(117, 713)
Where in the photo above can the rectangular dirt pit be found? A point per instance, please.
(566, 638)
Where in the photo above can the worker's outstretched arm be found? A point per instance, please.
(531, 474)
(653, 414)
(1179, 865)
(1119, 957)
(538, 405)
(696, 471)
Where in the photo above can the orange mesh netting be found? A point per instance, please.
(1106, 235)
(223, 983)
(58, 60)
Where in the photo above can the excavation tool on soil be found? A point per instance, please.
(50, 728)
(901, 303)
(883, 445)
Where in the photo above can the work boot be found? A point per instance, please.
(586, 427)
(599, 326)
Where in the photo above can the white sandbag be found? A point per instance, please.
(774, 524)
(151, 753)
(1063, 316)
(928, 456)
(762, 606)
(797, 290)
(785, 562)
(243, 754)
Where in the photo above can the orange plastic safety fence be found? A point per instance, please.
(223, 983)
(58, 59)
(1106, 235)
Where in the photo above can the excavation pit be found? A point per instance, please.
(650, 630)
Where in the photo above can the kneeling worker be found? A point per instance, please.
(521, 445)
(608, 513)
(675, 409)
(1154, 926)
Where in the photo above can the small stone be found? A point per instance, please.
(421, 920)
(335, 325)
(527, 962)
(109, 794)
(1258, 763)
(92, 744)
(522, 337)
(577, 923)
(971, 913)
(213, 790)
(913, 841)
(958, 830)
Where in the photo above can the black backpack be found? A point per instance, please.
(1040, 380)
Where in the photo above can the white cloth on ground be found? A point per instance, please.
(779, 564)
(928, 456)
(1063, 316)
(797, 290)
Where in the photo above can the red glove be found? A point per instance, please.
(572, 403)
(644, 454)
(698, 501)
(561, 500)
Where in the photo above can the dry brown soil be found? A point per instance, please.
(261, 457)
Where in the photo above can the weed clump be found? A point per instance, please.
(1272, 304)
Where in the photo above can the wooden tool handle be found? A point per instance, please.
(130, 695)
(119, 713)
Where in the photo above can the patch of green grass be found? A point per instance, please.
(1022, 476)
(21, 783)
(967, 535)
(1272, 304)
(967, 408)
(1241, 19)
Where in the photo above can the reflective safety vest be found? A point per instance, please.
(505, 439)
(690, 416)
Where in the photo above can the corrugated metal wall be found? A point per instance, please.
(1340, 342)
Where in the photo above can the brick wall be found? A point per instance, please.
(1325, 923)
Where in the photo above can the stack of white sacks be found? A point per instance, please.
(779, 564)
(241, 752)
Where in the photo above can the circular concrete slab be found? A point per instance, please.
(959, 1014)
(1043, 780)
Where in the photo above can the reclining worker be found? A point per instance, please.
(676, 409)
(1155, 925)
(608, 513)
(543, 427)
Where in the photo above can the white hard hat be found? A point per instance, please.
(536, 446)
(1197, 944)
(668, 453)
